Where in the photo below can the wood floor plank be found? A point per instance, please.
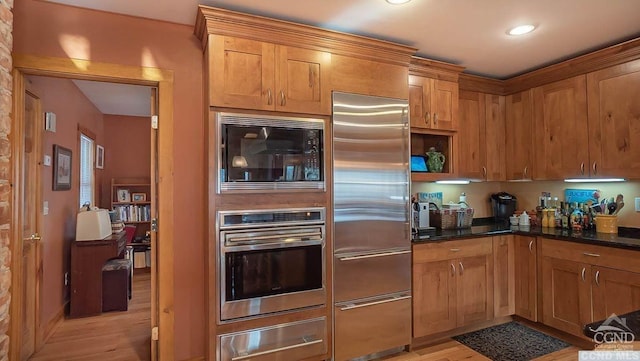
(112, 336)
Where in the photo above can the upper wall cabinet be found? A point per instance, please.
(257, 75)
(560, 125)
(433, 94)
(614, 120)
(519, 136)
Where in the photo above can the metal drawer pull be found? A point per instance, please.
(261, 353)
(583, 271)
(353, 258)
(591, 254)
(461, 269)
(455, 249)
(351, 307)
(598, 278)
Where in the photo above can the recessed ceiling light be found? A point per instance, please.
(398, 2)
(522, 29)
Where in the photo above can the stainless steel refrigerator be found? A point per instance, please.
(371, 234)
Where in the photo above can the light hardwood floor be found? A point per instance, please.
(112, 336)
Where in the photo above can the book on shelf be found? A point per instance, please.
(133, 213)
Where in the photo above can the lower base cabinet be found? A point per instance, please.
(586, 283)
(526, 277)
(452, 285)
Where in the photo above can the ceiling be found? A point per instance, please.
(118, 99)
(470, 33)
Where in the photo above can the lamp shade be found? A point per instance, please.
(239, 161)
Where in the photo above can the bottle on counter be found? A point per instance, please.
(565, 216)
(558, 214)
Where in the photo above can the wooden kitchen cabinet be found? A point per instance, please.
(586, 283)
(614, 120)
(452, 285)
(482, 132)
(526, 277)
(561, 131)
(433, 103)
(258, 75)
(519, 136)
(504, 281)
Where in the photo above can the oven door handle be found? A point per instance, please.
(281, 238)
(353, 258)
(262, 353)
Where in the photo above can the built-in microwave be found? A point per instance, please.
(266, 152)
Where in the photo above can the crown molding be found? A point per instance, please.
(434, 69)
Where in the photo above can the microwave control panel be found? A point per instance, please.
(312, 155)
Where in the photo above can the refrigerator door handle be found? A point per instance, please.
(352, 306)
(353, 258)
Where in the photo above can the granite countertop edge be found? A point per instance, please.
(621, 240)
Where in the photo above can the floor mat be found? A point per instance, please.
(511, 341)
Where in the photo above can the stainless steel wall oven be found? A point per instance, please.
(267, 153)
(270, 261)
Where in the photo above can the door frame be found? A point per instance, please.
(162, 310)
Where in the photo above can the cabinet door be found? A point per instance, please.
(419, 103)
(495, 138)
(519, 135)
(526, 278)
(434, 297)
(561, 133)
(614, 291)
(614, 120)
(473, 145)
(566, 298)
(503, 276)
(303, 80)
(474, 289)
(444, 104)
(242, 73)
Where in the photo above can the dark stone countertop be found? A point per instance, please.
(625, 238)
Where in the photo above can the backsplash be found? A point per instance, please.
(528, 194)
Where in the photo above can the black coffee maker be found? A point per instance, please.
(504, 205)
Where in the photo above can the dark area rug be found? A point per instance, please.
(511, 341)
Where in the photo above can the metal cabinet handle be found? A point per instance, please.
(427, 117)
(269, 97)
(283, 99)
(583, 272)
(393, 299)
(261, 353)
(453, 270)
(435, 118)
(591, 254)
(352, 258)
(595, 168)
(531, 246)
(484, 172)
(582, 168)
(598, 278)
(461, 268)
(525, 172)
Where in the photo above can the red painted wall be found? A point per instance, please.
(72, 109)
(46, 29)
(127, 148)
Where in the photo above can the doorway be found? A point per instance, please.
(161, 185)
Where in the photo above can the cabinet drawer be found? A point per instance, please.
(591, 254)
(429, 252)
(289, 341)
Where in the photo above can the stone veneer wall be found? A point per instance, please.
(6, 85)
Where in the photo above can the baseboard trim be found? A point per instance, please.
(48, 330)
(446, 335)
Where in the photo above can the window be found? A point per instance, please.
(86, 170)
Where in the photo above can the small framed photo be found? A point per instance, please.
(61, 168)
(124, 195)
(99, 157)
(139, 197)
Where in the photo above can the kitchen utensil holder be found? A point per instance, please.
(606, 223)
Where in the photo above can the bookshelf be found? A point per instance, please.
(131, 199)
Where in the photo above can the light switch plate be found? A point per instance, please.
(45, 208)
(47, 160)
(637, 204)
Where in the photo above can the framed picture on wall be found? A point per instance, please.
(99, 157)
(61, 168)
